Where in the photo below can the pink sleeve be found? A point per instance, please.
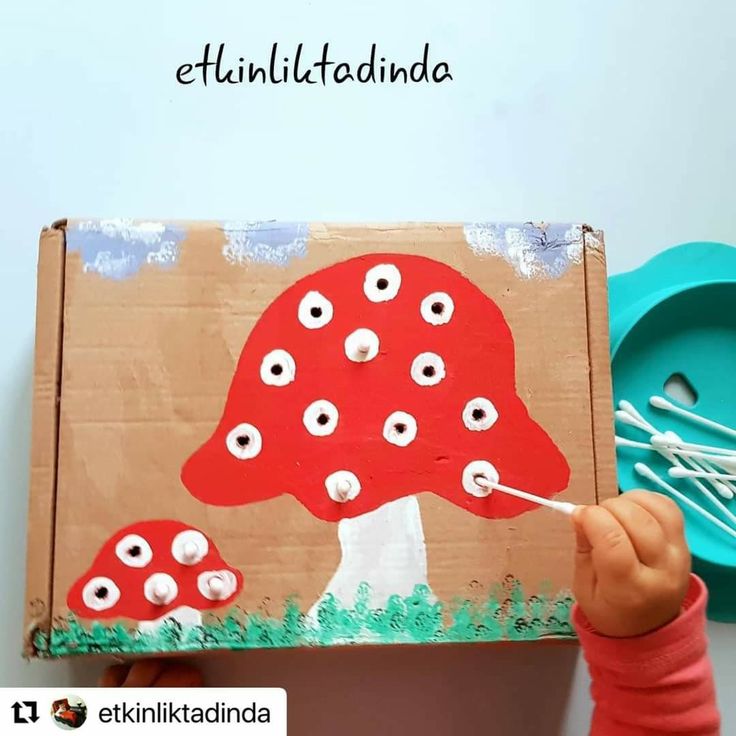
(659, 683)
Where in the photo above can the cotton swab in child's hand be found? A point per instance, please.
(659, 402)
(562, 506)
(687, 473)
(646, 472)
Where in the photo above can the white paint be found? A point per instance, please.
(659, 402)
(321, 418)
(646, 472)
(385, 549)
(362, 345)
(100, 604)
(474, 473)
(160, 589)
(488, 415)
(384, 275)
(217, 585)
(187, 616)
(400, 428)
(189, 547)
(284, 364)
(437, 308)
(123, 550)
(245, 433)
(428, 369)
(315, 310)
(342, 486)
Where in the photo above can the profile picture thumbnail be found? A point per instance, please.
(69, 712)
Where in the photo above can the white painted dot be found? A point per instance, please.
(382, 282)
(474, 470)
(428, 369)
(189, 547)
(315, 310)
(437, 308)
(479, 414)
(160, 589)
(278, 368)
(342, 486)
(244, 441)
(362, 345)
(134, 551)
(100, 593)
(321, 418)
(400, 428)
(217, 585)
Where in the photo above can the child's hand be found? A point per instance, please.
(151, 673)
(632, 564)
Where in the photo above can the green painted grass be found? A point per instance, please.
(506, 615)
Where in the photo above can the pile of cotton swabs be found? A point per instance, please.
(710, 469)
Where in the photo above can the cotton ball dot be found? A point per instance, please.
(244, 441)
(134, 551)
(189, 547)
(160, 589)
(382, 282)
(428, 369)
(479, 469)
(362, 345)
(479, 414)
(100, 593)
(315, 310)
(321, 418)
(437, 308)
(216, 585)
(400, 428)
(278, 368)
(342, 486)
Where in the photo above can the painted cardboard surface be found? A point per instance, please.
(153, 326)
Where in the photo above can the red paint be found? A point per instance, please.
(478, 350)
(132, 604)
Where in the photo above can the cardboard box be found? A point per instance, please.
(185, 497)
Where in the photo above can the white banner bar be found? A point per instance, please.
(46, 711)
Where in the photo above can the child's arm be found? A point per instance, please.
(641, 620)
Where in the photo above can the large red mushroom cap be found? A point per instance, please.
(150, 568)
(379, 377)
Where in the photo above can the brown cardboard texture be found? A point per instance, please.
(283, 434)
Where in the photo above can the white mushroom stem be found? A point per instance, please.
(384, 548)
(187, 616)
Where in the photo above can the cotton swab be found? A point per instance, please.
(687, 473)
(562, 506)
(725, 461)
(722, 487)
(646, 472)
(659, 402)
(661, 439)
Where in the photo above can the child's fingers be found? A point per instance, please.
(612, 553)
(584, 576)
(114, 676)
(144, 673)
(663, 509)
(180, 675)
(643, 529)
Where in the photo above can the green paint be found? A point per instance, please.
(507, 614)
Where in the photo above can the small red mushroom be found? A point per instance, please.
(153, 570)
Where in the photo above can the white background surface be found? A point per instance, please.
(621, 114)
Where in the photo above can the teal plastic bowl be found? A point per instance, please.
(677, 315)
